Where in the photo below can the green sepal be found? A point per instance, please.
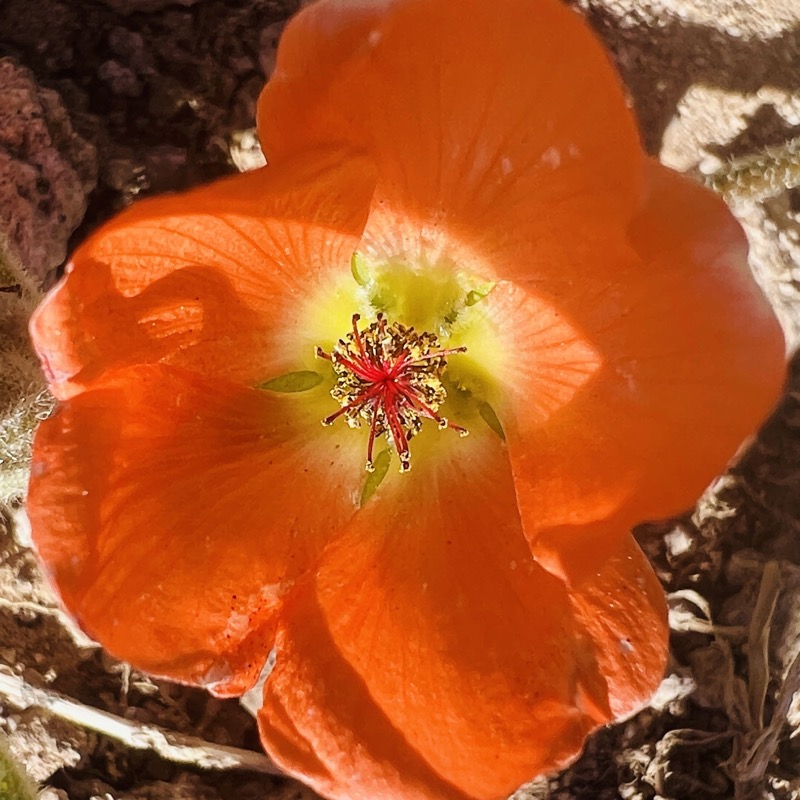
(375, 478)
(358, 266)
(476, 295)
(489, 416)
(293, 382)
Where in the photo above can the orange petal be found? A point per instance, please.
(431, 650)
(172, 511)
(209, 279)
(620, 605)
(692, 361)
(483, 123)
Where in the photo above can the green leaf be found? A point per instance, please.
(293, 382)
(375, 478)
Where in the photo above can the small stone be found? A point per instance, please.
(165, 166)
(120, 79)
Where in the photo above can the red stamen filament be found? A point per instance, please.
(390, 376)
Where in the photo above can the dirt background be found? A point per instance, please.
(102, 101)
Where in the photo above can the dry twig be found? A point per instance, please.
(167, 744)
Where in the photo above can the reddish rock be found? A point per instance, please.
(46, 172)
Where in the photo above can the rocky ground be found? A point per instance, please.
(105, 100)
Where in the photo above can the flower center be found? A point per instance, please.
(390, 377)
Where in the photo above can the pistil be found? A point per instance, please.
(389, 376)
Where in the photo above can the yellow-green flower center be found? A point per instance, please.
(408, 345)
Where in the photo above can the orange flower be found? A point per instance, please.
(469, 170)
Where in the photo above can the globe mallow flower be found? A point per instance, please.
(521, 337)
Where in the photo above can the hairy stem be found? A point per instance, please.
(14, 781)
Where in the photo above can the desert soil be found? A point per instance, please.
(102, 101)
